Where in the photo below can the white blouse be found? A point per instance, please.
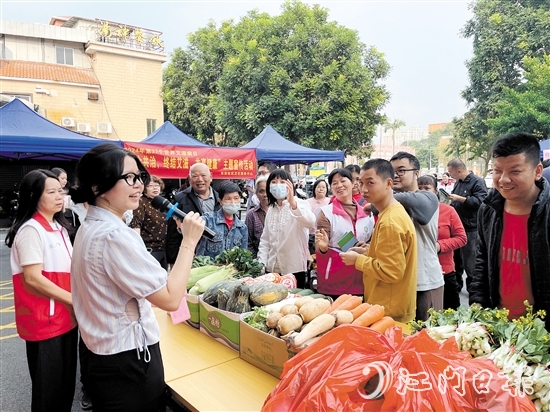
(284, 242)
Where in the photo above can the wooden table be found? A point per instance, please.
(235, 385)
(205, 375)
(186, 350)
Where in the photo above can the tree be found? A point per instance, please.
(393, 126)
(311, 79)
(503, 33)
(527, 109)
(427, 150)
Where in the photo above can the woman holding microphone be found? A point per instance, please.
(115, 282)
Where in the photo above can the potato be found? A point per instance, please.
(289, 309)
(289, 323)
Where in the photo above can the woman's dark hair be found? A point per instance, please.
(427, 180)
(57, 171)
(283, 174)
(99, 170)
(317, 184)
(227, 186)
(342, 173)
(30, 192)
(353, 168)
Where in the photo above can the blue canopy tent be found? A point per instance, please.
(544, 145)
(24, 134)
(168, 134)
(271, 146)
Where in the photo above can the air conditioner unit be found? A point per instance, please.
(104, 127)
(67, 122)
(83, 127)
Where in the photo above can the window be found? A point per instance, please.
(151, 126)
(64, 55)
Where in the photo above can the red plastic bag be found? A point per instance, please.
(401, 374)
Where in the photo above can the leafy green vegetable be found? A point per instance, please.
(199, 261)
(257, 319)
(242, 260)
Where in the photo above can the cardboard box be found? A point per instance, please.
(193, 305)
(262, 350)
(219, 324)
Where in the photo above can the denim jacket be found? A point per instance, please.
(225, 238)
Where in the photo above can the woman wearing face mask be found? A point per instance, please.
(284, 242)
(230, 230)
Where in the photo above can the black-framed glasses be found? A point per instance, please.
(401, 172)
(131, 178)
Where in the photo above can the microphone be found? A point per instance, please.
(164, 205)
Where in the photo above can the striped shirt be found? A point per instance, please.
(111, 275)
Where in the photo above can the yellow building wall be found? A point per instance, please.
(131, 91)
(64, 100)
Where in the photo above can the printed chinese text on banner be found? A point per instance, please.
(173, 162)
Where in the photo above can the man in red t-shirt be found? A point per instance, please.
(513, 254)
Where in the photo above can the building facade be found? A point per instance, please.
(99, 78)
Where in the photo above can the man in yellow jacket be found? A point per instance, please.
(389, 265)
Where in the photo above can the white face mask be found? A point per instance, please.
(231, 208)
(278, 190)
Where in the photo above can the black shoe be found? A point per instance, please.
(85, 402)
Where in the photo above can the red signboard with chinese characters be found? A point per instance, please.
(173, 162)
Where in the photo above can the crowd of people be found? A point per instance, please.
(82, 266)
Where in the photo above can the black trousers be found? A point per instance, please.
(465, 259)
(160, 255)
(52, 366)
(451, 291)
(122, 382)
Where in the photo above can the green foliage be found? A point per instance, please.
(242, 260)
(309, 78)
(426, 150)
(527, 109)
(503, 32)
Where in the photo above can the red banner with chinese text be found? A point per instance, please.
(173, 162)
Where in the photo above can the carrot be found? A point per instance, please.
(350, 304)
(383, 324)
(337, 303)
(374, 313)
(359, 310)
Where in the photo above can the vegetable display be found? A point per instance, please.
(301, 321)
(242, 260)
(520, 348)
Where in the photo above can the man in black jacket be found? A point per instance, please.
(468, 193)
(513, 259)
(200, 197)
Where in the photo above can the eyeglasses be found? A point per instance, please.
(401, 172)
(131, 178)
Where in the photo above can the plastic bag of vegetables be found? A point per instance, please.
(352, 368)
